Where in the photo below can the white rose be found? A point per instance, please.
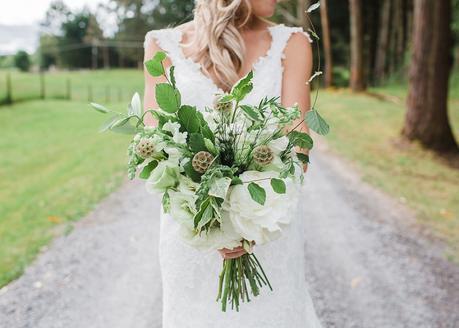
(216, 238)
(261, 223)
(163, 177)
(278, 145)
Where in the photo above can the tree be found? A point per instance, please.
(426, 119)
(357, 82)
(22, 61)
(383, 42)
(326, 44)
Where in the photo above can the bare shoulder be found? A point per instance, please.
(298, 49)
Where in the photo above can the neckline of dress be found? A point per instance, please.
(198, 67)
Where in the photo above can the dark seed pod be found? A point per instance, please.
(201, 161)
(263, 155)
(145, 148)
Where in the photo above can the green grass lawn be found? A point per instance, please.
(54, 167)
(117, 85)
(366, 131)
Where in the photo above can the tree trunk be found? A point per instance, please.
(326, 44)
(426, 119)
(383, 42)
(302, 16)
(357, 82)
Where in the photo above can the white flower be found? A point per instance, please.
(261, 223)
(278, 145)
(174, 128)
(223, 237)
(163, 177)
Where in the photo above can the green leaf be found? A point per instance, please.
(300, 139)
(122, 121)
(172, 75)
(243, 87)
(166, 202)
(191, 173)
(167, 97)
(316, 123)
(160, 56)
(251, 113)
(154, 67)
(257, 193)
(125, 129)
(236, 181)
(162, 118)
(219, 187)
(188, 119)
(303, 157)
(108, 124)
(145, 174)
(197, 143)
(100, 108)
(210, 146)
(278, 186)
(204, 213)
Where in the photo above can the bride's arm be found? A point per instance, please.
(297, 71)
(150, 82)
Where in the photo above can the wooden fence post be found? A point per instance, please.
(9, 90)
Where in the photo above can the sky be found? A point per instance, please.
(30, 12)
(19, 21)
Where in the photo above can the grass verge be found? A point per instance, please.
(54, 166)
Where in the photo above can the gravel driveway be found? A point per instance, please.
(369, 264)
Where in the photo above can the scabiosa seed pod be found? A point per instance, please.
(145, 148)
(201, 161)
(222, 106)
(263, 155)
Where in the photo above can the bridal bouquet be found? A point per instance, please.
(227, 174)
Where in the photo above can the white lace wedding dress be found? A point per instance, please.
(189, 277)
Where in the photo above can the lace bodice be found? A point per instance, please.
(189, 277)
(197, 89)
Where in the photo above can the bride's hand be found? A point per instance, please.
(232, 253)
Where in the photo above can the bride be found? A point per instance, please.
(225, 40)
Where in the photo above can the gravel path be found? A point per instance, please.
(369, 264)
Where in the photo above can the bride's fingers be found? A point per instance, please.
(234, 255)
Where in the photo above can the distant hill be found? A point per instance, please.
(16, 37)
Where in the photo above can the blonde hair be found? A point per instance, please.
(217, 43)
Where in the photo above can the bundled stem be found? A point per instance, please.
(235, 278)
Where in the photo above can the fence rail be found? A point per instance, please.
(35, 86)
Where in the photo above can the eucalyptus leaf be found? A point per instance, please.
(125, 129)
(160, 56)
(278, 186)
(172, 75)
(316, 123)
(167, 97)
(257, 193)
